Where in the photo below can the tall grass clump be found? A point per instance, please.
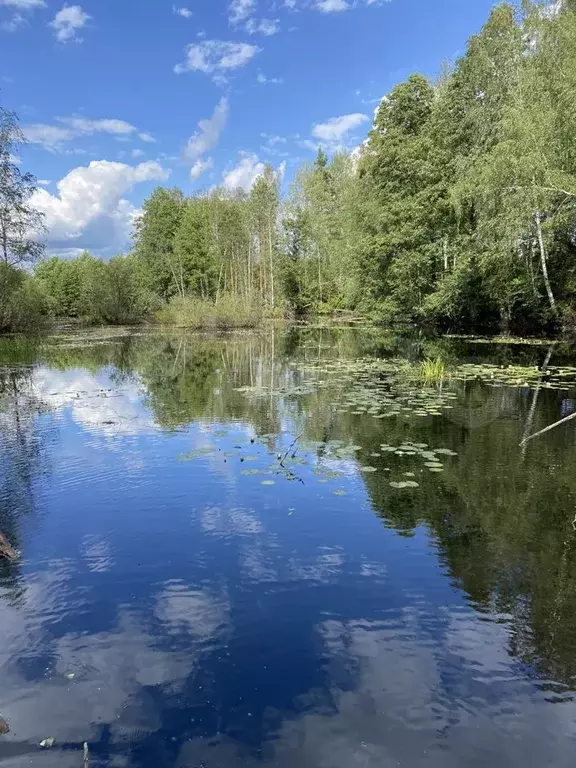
(227, 312)
(431, 371)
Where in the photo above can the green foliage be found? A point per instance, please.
(95, 291)
(21, 302)
(21, 224)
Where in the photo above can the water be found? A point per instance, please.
(187, 597)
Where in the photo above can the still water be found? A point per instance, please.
(285, 549)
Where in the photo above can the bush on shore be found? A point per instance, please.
(22, 304)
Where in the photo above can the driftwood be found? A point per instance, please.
(547, 429)
(6, 549)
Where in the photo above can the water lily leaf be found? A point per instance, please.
(339, 492)
(196, 453)
(369, 469)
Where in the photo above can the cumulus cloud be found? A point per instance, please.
(186, 13)
(216, 57)
(243, 175)
(336, 128)
(89, 209)
(53, 137)
(67, 22)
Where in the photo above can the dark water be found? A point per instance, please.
(186, 598)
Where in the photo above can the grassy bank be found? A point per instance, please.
(227, 312)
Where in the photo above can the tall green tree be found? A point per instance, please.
(154, 241)
(21, 225)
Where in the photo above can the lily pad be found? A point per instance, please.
(339, 492)
(369, 469)
(196, 454)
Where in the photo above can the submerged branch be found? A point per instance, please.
(547, 429)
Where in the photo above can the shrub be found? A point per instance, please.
(21, 301)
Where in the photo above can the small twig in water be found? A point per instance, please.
(283, 459)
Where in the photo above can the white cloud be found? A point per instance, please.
(266, 27)
(199, 167)
(186, 13)
(244, 174)
(49, 136)
(336, 128)
(137, 153)
(332, 6)
(147, 138)
(263, 80)
(240, 10)
(82, 125)
(66, 23)
(19, 19)
(204, 139)
(14, 24)
(89, 210)
(52, 137)
(216, 57)
(24, 4)
(272, 140)
(208, 133)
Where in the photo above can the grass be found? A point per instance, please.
(430, 370)
(201, 314)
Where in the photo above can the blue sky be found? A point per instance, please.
(117, 96)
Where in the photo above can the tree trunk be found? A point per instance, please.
(271, 264)
(541, 245)
(543, 263)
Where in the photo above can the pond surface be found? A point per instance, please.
(285, 549)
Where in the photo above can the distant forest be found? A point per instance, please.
(459, 209)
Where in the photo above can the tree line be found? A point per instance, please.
(459, 208)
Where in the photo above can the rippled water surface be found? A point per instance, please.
(285, 549)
